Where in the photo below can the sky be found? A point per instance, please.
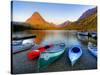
(51, 12)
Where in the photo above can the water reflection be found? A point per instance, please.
(70, 38)
(40, 34)
(56, 36)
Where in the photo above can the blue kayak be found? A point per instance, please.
(74, 54)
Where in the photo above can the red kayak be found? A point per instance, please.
(36, 53)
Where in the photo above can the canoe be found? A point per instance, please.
(48, 57)
(93, 34)
(83, 33)
(17, 42)
(36, 52)
(83, 36)
(92, 49)
(74, 54)
(18, 46)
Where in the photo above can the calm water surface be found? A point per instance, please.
(22, 65)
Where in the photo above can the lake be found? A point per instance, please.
(21, 64)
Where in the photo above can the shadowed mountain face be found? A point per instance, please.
(86, 22)
(88, 13)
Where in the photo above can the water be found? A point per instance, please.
(44, 37)
(56, 36)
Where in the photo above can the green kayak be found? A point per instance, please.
(48, 57)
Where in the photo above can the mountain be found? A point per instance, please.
(65, 23)
(86, 22)
(37, 21)
(36, 18)
(88, 13)
(89, 22)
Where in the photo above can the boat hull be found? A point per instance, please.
(46, 58)
(21, 45)
(92, 49)
(83, 33)
(19, 48)
(74, 56)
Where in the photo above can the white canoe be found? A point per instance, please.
(93, 34)
(92, 49)
(17, 42)
(74, 54)
(83, 33)
(21, 45)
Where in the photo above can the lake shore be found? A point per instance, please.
(21, 64)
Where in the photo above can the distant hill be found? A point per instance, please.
(64, 24)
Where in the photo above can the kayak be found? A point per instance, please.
(21, 45)
(83, 33)
(36, 53)
(92, 49)
(93, 34)
(83, 36)
(74, 54)
(48, 57)
(19, 42)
